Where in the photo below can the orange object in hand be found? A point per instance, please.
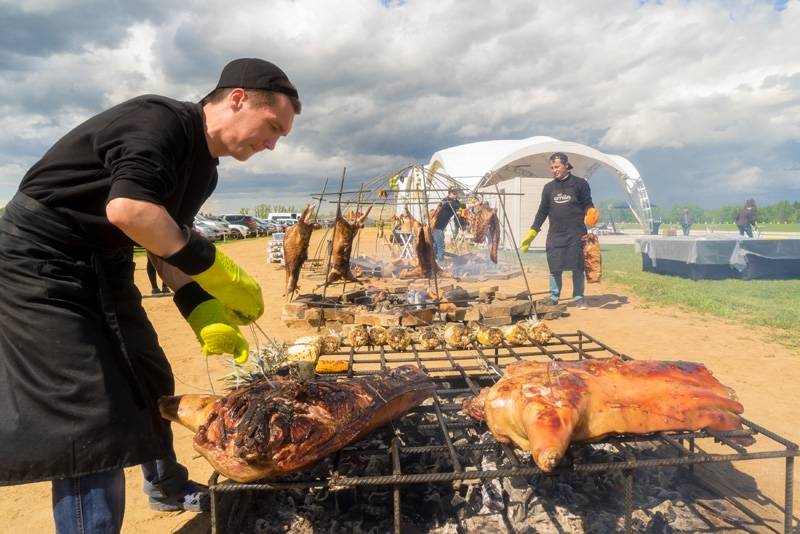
(592, 217)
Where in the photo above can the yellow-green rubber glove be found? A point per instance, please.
(526, 241)
(233, 287)
(209, 320)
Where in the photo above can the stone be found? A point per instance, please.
(295, 323)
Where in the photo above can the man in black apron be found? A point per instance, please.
(80, 364)
(566, 201)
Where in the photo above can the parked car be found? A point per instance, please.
(210, 232)
(253, 229)
(219, 224)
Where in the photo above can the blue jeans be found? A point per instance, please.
(438, 244)
(745, 229)
(90, 503)
(686, 229)
(95, 503)
(578, 282)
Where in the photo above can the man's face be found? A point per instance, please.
(254, 128)
(558, 168)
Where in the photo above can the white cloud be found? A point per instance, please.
(382, 85)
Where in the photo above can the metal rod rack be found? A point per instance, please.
(461, 373)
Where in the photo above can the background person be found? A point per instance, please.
(151, 276)
(134, 174)
(746, 218)
(446, 209)
(566, 201)
(686, 221)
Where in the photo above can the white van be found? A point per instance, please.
(275, 216)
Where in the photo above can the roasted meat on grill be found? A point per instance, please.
(542, 407)
(489, 336)
(268, 429)
(295, 247)
(482, 221)
(345, 231)
(458, 336)
(426, 257)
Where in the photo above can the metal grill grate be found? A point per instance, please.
(458, 439)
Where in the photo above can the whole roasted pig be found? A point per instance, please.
(295, 247)
(343, 246)
(426, 257)
(268, 429)
(542, 407)
(483, 220)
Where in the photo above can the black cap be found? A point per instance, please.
(254, 73)
(454, 189)
(563, 157)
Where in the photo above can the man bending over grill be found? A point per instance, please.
(80, 364)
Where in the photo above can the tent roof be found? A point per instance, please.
(489, 162)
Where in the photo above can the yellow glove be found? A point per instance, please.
(210, 323)
(526, 241)
(233, 287)
(220, 277)
(592, 217)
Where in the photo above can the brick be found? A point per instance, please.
(314, 317)
(418, 317)
(485, 294)
(472, 314)
(521, 307)
(342, 316)
(447, 307)
(352, 296)
(295, 310)
(497, 321)
(496, 309)
(457, 315)
(512, 295)
(377, 319)
(295, 323)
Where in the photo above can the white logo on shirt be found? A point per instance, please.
(562, 198)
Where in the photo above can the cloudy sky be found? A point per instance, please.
(703, 97)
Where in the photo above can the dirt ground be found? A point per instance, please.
(763, 373)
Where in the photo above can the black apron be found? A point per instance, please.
(564, 246)
(80, 364)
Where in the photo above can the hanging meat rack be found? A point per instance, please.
(460, 374)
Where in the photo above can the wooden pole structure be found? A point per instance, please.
(330, 251)
(516, 250)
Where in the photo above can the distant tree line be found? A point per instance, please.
(779, 212)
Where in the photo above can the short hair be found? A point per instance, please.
(258, 97)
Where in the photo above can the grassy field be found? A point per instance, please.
(771, 303)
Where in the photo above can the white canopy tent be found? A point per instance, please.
(522, 166)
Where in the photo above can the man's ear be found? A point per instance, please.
(236, 98)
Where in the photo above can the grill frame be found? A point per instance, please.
(460, 373)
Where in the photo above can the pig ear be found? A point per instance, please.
(363, 217)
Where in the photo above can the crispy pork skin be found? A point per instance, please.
(267, 429)
(343, 246)
(295, 247)
(542, 407)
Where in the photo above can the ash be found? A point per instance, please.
(665, 499)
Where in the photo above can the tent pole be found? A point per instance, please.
(516, 250)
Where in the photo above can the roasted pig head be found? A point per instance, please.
(542, 407)
(343, 246)
(483, 220)
(295, 247)
(271, 428)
